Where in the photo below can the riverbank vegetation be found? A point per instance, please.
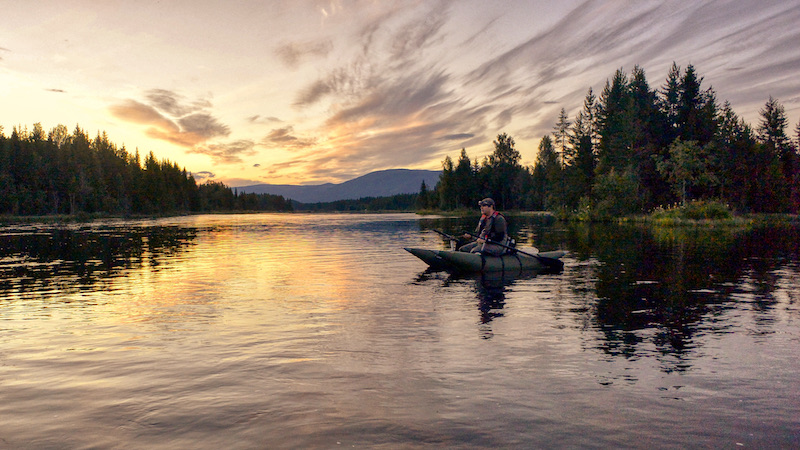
(62, 173)
(633, 150)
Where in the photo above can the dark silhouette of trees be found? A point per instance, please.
(634, 149)
(69, 173)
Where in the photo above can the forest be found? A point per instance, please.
(68, 173)
(633, 150)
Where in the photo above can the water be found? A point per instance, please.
(319, 331)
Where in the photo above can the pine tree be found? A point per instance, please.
(547, 176)
(446, 188)
(422, 197)
(504, 173)
(772, 128)
(561, 138)
(772, 134)
(645, 122)
(613, 150)
(465, 180)
(669, 102)
(696, 109)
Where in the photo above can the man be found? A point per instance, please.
(492, 227)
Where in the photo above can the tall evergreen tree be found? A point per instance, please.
(612, 118)
(669, 102)
(735, 142)
(645, 121)
(547, 176)
(696, 109)
(505, 172)
(579, 171)
(772, 127)
(561, 138)
(446, 188)
(772, 134)
(466, 181)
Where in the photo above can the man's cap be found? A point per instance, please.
(486, 202)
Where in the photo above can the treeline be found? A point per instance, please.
(635, 149)
(400, 202)
(62, 173)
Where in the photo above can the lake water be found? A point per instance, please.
(319, 331)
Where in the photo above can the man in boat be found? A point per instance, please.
(491, 227)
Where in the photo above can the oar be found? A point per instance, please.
(454, 241)
(448, 236)
(551, 263)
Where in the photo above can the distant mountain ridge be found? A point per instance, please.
(383, 183)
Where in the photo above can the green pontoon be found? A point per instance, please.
(455, 261)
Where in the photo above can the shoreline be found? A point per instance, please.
(735, 220)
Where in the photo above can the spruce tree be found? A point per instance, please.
(612, 119)
(547, 176)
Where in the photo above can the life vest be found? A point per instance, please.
(490, 232)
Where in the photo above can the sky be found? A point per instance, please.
(309, 92)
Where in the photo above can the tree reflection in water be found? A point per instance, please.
(40, 257)
(659, 287)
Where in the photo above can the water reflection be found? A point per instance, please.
(41, 259)
(489, 291)
(659, 289)
(648, 291)
(303, 331)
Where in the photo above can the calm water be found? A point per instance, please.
(319, 331)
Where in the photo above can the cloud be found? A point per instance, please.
(458, 137)
(171, 118)
(173, 103)
(203, 125)
(417, 34)
(139, 113)
(285, 138)
(392, 105)
(292, 54)
(203, 176)
(226, 153)
(60, 91)
(263, 120)
(346, 82)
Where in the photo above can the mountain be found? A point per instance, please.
(383, 183)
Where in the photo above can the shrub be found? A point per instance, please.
(696, 210)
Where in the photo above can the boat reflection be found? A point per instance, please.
(489, 289)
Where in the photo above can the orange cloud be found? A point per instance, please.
(189, 130)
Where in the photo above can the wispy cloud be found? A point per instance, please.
(173, 103)
(388, 105)
(292, 54)
(226, 153)
(285, 138)
(258, 119)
